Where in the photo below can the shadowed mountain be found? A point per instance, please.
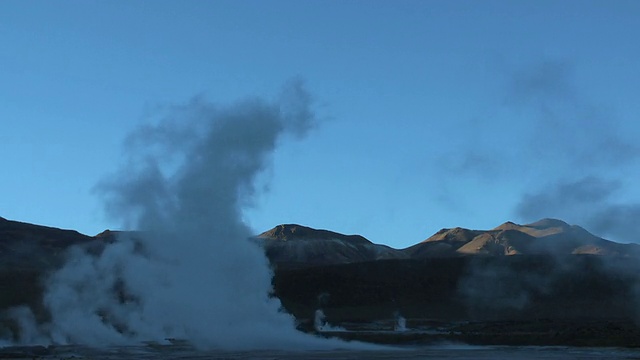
(296, 244)
(26, 245)
(27, 254)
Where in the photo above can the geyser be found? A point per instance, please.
(189, 272)
(401, 323)
(321, 325)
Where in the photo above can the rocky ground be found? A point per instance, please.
(579, 301)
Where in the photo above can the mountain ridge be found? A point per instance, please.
(576, 282)
(293, 243)
(552, 237)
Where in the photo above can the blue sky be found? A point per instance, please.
(431, 114)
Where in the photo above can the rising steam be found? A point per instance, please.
(189, 272)
(589, 145)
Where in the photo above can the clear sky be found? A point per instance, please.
(432, 113)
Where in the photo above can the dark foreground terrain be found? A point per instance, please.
(537, 300)
(545, 283)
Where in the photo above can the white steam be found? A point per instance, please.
(321, 324)
(401, 323)
(190, 272)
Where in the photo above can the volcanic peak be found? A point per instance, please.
(454, 235)
(288, 232)
(549, 223)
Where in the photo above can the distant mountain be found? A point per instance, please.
(544, 237)
(299, 244)
(444, 243)
(35, 246)
(24, 245)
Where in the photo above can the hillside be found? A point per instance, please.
(304, 246)
(544, 283)
(35, 246)
(296, 244)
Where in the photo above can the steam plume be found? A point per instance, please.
(190, 272)
(583, 142)
(591, 201)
